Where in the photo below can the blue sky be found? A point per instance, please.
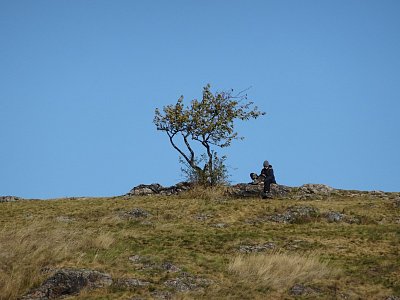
(80, 81)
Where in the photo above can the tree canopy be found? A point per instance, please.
(208, 122)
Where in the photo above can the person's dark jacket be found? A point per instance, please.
(268, 173)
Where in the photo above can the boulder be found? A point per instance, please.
(158, 189)
(187, 282)
(306, 191)
(337, 217)
(66, 282)
(278, 190)
(334, 216)
(9, 198)
(169, 267)
(247, 190)
(312, 190)
(145, 189)
(295, 214)
(137, 213)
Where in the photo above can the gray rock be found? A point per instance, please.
(187, 282)
(162, 295)
(256, 248)
(278, 190)
(202, 216)
(130, 283)
(313, 191)
(352, 220)
(302, 290)
(9, 198)
(137, 213)
(306, 191)
(378, 193)
(334, 216)
(170, 268)
(320, 189)
(66, 282)
(247, 190)
(136, 258)
(157, 189)
(141, 262)
(295, 214)
(146, 189)
(298, 290)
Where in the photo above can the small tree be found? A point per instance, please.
(209, 123)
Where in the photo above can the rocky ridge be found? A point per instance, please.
(254, 190)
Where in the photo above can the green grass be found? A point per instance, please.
(93, 233)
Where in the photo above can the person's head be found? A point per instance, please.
(266, 164)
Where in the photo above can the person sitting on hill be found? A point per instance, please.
(267, 176)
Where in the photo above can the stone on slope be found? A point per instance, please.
(247, 190)
(187, 282)
(312, 188)
(66, 282)
(9, 198)
(295, 214)
(137, 213)
(157, 189)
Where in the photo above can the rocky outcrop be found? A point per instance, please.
(314, 191)
(334, 216)
(187, 282)
(9, 198)
(254, 189)
(295, 214)
(306, 191)
(157, 189)
(247, 190)
(66, 282)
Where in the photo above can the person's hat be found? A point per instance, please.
(266, 163)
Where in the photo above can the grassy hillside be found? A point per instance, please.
(203, 245)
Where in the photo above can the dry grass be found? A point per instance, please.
(24, 252)
(280, 270)
(103, 241)
(206, 193)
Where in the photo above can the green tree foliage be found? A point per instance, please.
(209, 123)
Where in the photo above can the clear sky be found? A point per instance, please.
(79, 82)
